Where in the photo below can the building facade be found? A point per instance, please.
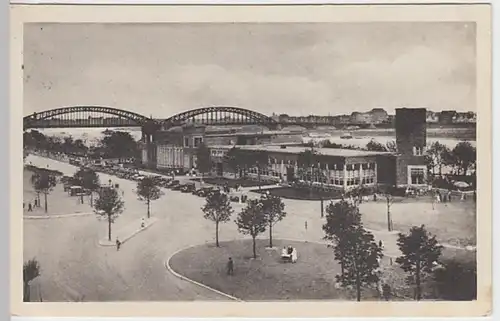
(336, 168)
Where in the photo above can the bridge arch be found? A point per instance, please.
(221, 115)
(35, 119)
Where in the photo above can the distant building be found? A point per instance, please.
(446, 117)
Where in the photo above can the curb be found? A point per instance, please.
(169, 268)
(46, 217)
(108, 243)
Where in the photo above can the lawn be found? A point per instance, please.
(59, 202)
(453, 223)
(232, 183)
(266, 278)
(301, 193)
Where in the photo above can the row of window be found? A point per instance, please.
(197, 141)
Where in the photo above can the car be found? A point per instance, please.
(176, 187)
(172, 183)
(204, 191)
(188, 188)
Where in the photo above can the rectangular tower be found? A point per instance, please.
(411, 141)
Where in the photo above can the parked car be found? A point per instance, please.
(188, 188)
(204, 191)
(176, 187)
(172, 183)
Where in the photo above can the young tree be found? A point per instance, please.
(217, 209)
(341, 217)
(252, 221)
(109, 206)
(88, 179)
(203, 160)
(147, 191)
(420, 251)
(274, 210)
(31, 270)
(360, 254)
(44, 183)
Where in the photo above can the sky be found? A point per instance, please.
(300, 69)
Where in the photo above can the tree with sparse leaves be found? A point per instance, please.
(89, 180)
(147, 191)
(109, 206)
(420, 252)
(341, 217)
(252, 221)
(217, 209)
(31, 270)
(274, 210)
(360, 254)
(44, 183)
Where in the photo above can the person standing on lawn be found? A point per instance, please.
(230, 267)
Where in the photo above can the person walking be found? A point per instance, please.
(230, 267)
(305, 225)
(30, 208)
(118, 244)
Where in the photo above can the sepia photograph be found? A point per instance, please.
(251, 162)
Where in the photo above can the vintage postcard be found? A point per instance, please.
(253, 161)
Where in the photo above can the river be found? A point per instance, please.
(449, 137)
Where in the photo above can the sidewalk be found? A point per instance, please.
(45, 217)
(127, 232)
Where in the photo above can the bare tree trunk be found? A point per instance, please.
(270, 235)
(109, 228)
(91, 198)
(46, 206)
(253, 245)
(417, 281)
(217, 234)
(358, 288)
(81, 198)
(149, 213)
(26, 292)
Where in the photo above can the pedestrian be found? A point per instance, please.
(118, 244)
(143, 224)
(380, 244)
(230, 267)
(30, 208)
(36, 203)
(305, 225)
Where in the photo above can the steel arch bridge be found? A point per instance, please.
(84, 116)
(220, 115)
(100, 116)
